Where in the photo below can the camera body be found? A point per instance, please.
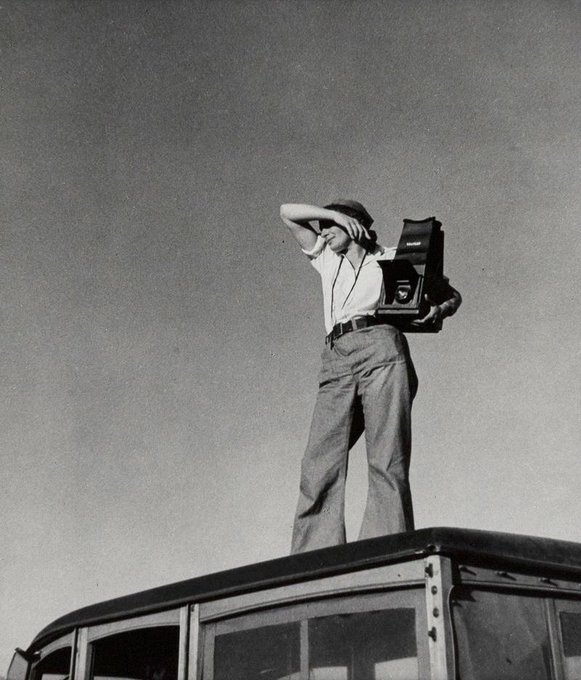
(417, 270)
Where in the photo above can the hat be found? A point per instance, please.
(352, 208)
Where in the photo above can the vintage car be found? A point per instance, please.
(436, 603)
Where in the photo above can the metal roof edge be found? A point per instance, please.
(467, 544)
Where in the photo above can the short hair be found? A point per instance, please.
(359, 214)
(353, 209)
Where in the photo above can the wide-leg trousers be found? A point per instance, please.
(368, 373)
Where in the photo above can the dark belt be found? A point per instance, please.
(352, 325)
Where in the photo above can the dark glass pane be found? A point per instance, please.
(571, 632)
(500, 636)
(55, 666)
(266, 653)
(375, 645)
(145, 654)
(571, 629)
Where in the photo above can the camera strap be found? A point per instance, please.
(350, 290)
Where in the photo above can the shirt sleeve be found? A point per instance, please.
(447, 297)
(386, 253)
(315, 253)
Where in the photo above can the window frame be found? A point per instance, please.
(553, 603)
(88, 635)
(68, 640)
(540, 596)
(391, 576)
(18, 654)
(556, 606)
(301, 612)
(170, 617)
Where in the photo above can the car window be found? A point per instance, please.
(143, 654)
(54, 666)
(570, 623)
(379, 645)
(501, 635)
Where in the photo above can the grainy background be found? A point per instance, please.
(161, 333)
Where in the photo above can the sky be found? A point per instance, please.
(161, 331)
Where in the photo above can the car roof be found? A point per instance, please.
(529, 553)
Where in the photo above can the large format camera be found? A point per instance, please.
(417, 270)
